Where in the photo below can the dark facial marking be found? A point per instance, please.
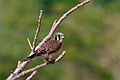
(59, 37)
(55, 37)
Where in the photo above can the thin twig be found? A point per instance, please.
(38, 30)
(29, 44)
(60, 56)
(69, 12)
(18, 63)
(30, 77)
(39, 66)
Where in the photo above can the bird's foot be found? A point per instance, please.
(49, 60)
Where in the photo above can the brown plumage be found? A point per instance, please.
(48, 48)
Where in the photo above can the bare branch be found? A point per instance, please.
(38, 66)
(66, 15)
(57, 22)
(69, 12)
(18, 69)
(33, 73)
(22, 65)
(29, 44)
(27, 71)
(60, 56)
(38, 29)
(56, 60)
(16, 73)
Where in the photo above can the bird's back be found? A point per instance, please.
(49, 47)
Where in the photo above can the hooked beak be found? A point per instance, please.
(62, 37)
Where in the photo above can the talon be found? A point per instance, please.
(52, 62)
(46, 60)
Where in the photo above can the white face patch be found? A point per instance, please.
(59, 36)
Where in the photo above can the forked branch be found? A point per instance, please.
(39, 66)
(57, 22)
(21, 65)
(38, 30)
(30, 77)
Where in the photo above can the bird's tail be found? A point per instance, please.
(30, 56)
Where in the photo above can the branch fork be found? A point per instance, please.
(18, 72)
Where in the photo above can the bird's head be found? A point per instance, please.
(59, 36)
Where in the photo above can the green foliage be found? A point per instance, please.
(91, 37)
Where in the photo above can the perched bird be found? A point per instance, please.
(50, 47)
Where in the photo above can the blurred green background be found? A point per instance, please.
(92, 38)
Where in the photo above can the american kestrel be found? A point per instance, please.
(50, 47)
